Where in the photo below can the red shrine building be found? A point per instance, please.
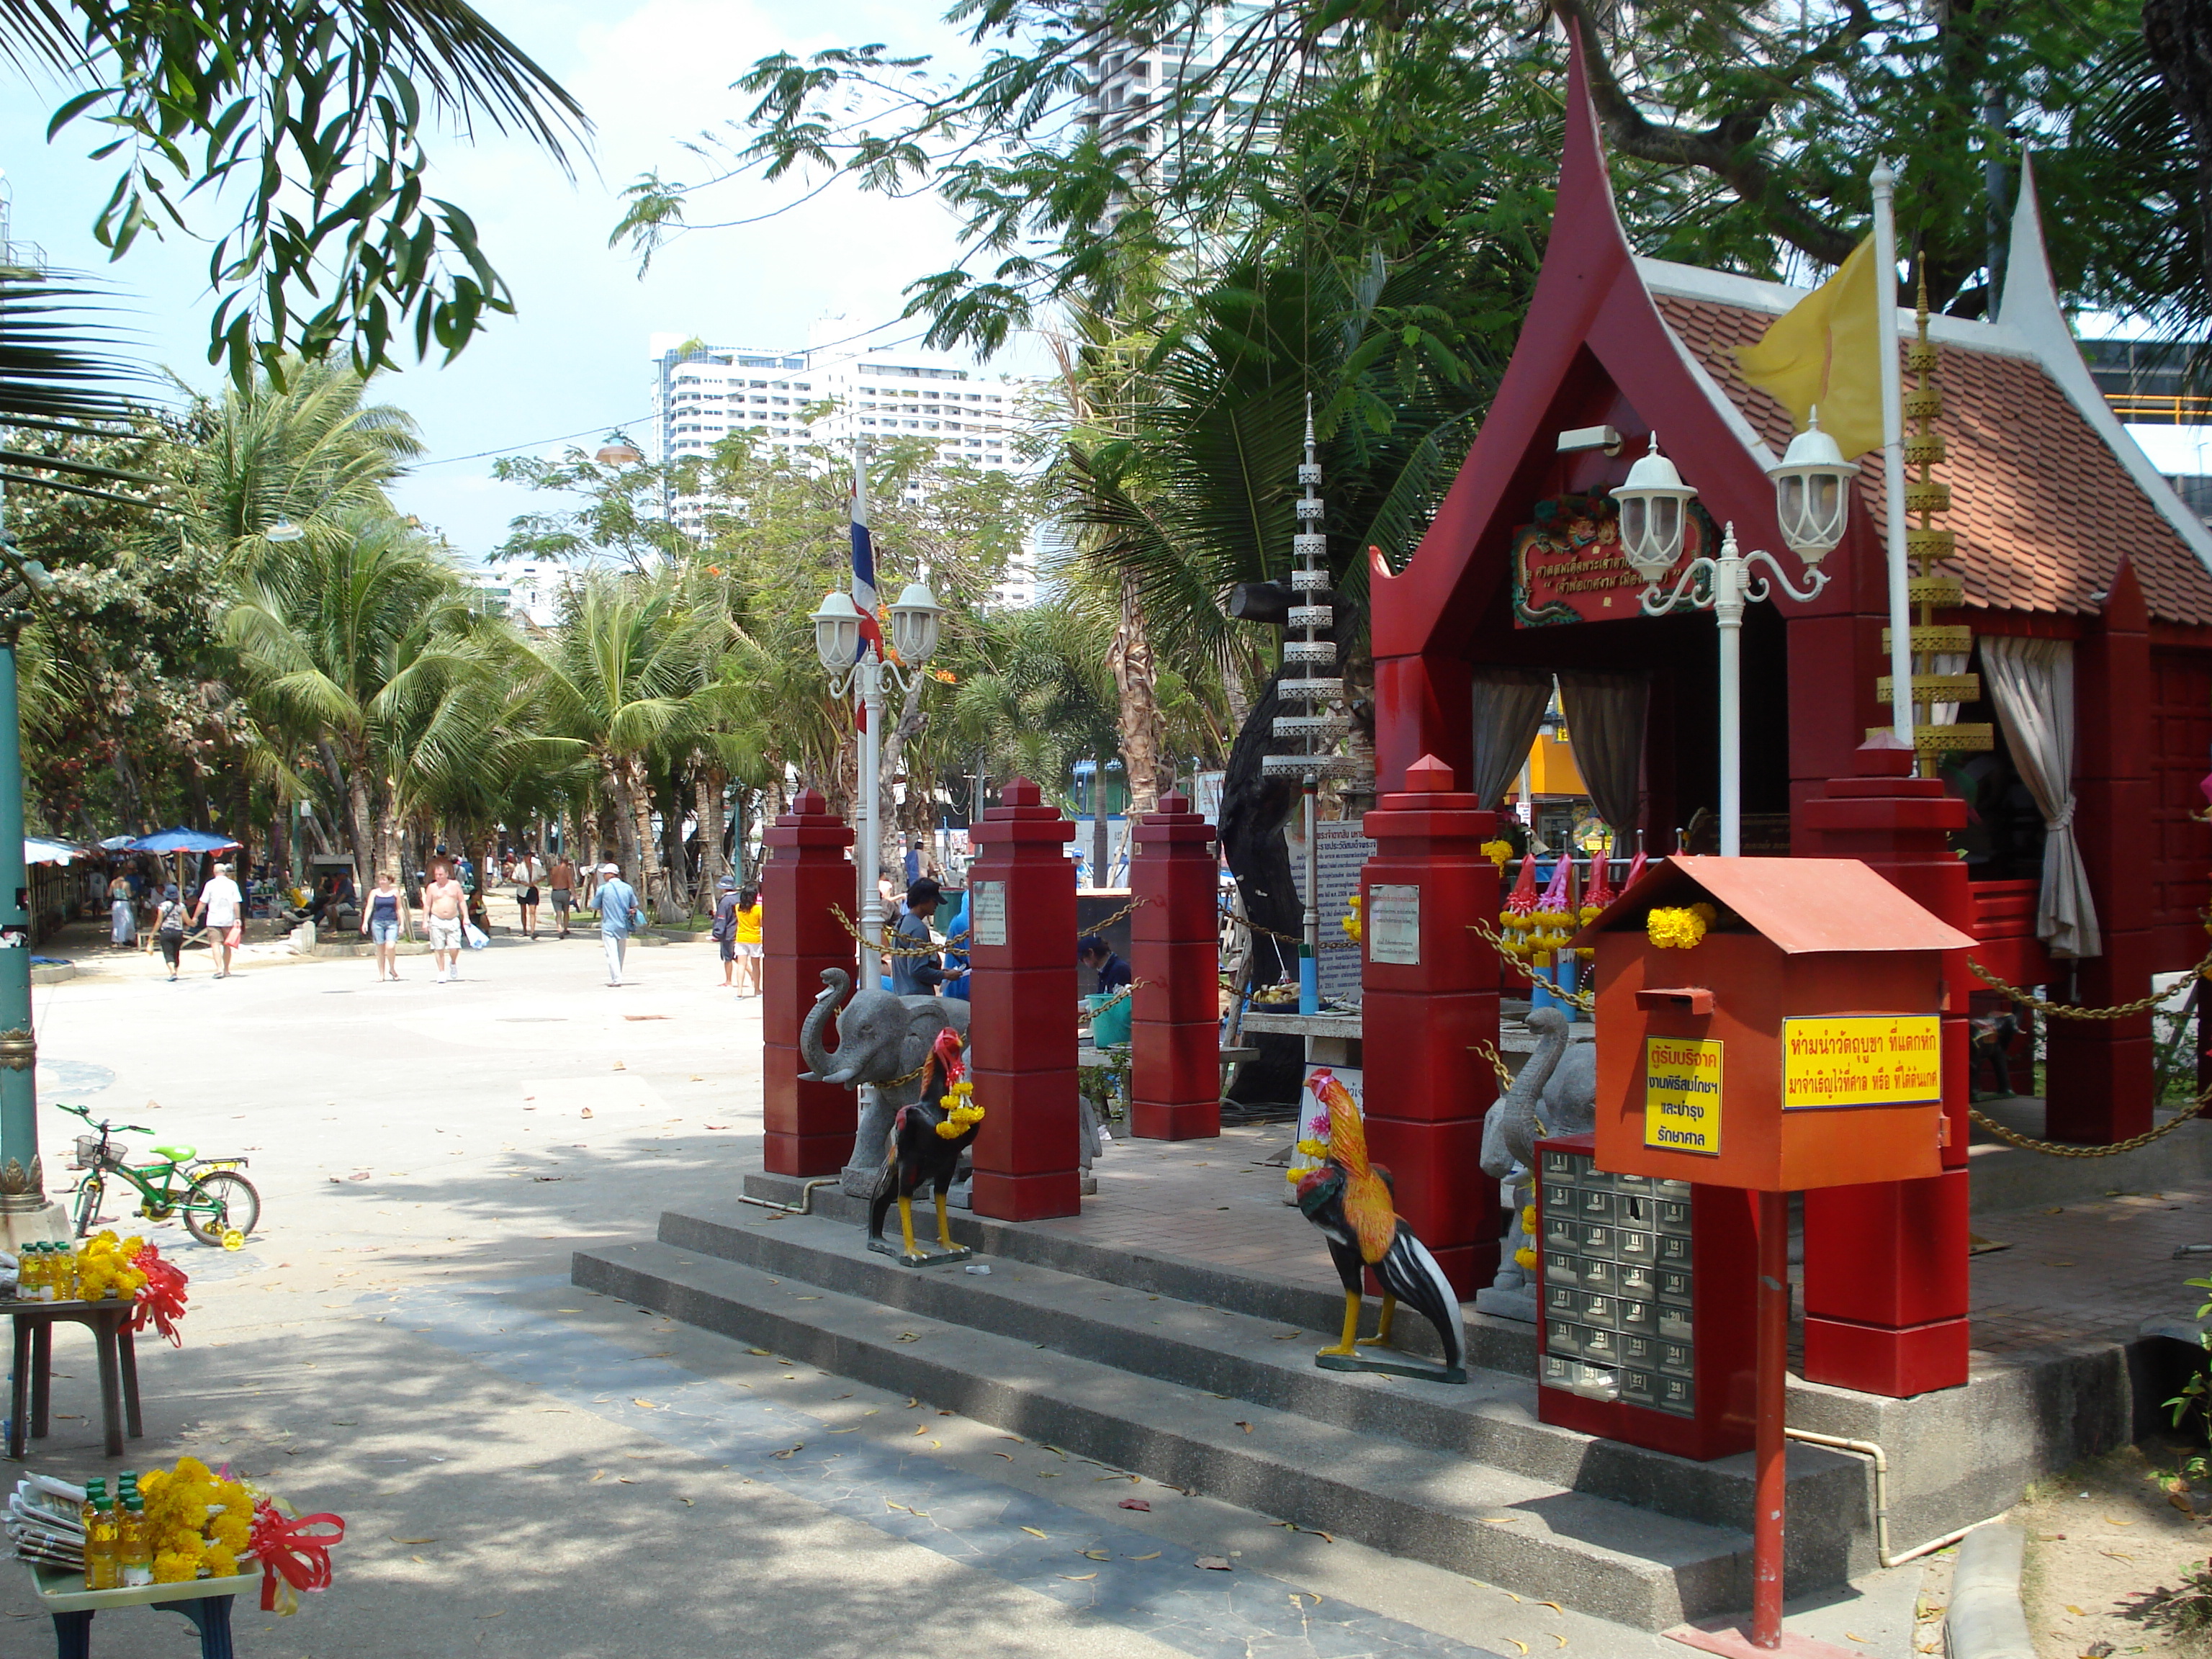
(2081, 590)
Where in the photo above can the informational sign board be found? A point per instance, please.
(1393, 926)
(1341, 853)
(986, 911)
(1862, 1059)
(1567, 566)
(1682, 1094)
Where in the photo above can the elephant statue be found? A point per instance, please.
(883, 1040)
(1511, 1129)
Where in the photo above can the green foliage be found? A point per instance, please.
(311, 115)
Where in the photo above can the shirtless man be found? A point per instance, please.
(443, 900)
(563, 880)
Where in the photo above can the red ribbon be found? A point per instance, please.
(293, 1551)
(161, 1298)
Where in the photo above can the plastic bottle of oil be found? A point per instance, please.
(134, 1548)
(95, 1495)
(64, 1271)
(49, 1272)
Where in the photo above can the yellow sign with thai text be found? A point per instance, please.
(1682, 1095)
(1862, 1059)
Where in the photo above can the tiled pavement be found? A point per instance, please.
(2085, 1271)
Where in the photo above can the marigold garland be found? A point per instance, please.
(961, 1111)
(1674, 928)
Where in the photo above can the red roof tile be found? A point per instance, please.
(2042, 508)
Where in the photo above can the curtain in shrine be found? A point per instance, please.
(1509, 708)
(1604, 726)
(2031, 682)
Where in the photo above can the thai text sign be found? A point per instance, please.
(1862, 1059)
(1393, 926)
(1682, 1094)
(986, 911)
(1567, 566)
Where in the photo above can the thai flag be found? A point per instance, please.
(864, 574)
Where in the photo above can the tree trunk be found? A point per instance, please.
(1142, 727)
(362, 848)
(653, 882)
(618, 823)
(708, 783)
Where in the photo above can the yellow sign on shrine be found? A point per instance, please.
(1682, 1094)
(1862, 1059)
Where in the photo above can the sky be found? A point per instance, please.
(649, 73)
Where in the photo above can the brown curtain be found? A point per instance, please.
(1605, 728)
(1509, 708)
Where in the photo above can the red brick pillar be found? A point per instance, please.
(1021, 907)
(1430, 990)
(810, 1126)
(2098, 1074)
(1176, 955)
(1885, 1263)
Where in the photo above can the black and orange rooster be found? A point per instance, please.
(924, 1146)
(1349, 1200)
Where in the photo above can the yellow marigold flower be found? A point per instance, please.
(1673, 929)
(171, 1568)
(1525, 1256)
(1528, 1218)
(1707, 911)
(222, 1563)
(1497, 851)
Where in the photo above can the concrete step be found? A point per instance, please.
(1529, 1535)
(1491, 1419)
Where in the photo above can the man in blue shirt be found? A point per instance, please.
(619, 917)
(917, 976)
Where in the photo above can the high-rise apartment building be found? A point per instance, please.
(826, 396)
(1131, 81)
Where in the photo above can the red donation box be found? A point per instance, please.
(1775, 1027)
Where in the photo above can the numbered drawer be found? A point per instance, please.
(1563, 1336)
(1595, 1241)
(1674, 1249)
(1675, 1285)
(1635, 1210)
(1676, 1360)
(1600, 1276)
(1601, 1347)
(1641, 1317)
(1561, 1303)
(1591, 1204)
(1677, 1395)
(1671, 1189)
(1636, 1249)
(1558, 1198)
(1563, 1234)
(1562, 1166)
(1561, 1268)
(1598, 1310)
(1639, 1351)
(1636, 1280)
(1673, 1214)
(1639, 1386)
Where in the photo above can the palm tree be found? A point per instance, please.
(352, 630)
(622, 677)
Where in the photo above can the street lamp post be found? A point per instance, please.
(1812, 492)
(26, 1212)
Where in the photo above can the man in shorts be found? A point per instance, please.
(726, 928)
(563, 878)
(526, 874)
(444, 901)
(222, 910)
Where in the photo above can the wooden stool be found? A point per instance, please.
(118, 1368)
(205, 1601)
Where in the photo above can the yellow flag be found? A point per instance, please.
(1827, 350)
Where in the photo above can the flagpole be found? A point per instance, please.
(868, 682)
(1892, 454)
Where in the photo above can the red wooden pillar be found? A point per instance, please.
(1021, 909)
(1431, 991)
(2098, 1073)
(1175, 955)
(1885, 1263)
(809, 1125)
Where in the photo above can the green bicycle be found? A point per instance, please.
(217, 1205)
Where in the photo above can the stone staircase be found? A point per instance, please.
(1203, 1378)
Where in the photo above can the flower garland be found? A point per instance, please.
(160, 1292)
(1497, 851)
(105, 1267)
(962, 1114)
(197, 1523)
(1673, 928)
(1354, 921)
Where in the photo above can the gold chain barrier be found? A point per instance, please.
(2059, 1149)
(2067, 1010)
(1586, 1001)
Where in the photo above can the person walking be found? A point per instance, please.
(222, 910)
(444, 901)
(169, 929)
(122, 919)
(725, 928)
(563, 878)
(746, 934)
(619, 917)
(381, 919)
(917, 976)
(528, 872)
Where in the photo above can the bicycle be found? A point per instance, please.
(217, 1205)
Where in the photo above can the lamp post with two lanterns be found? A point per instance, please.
(855, 667)
(1812, 497)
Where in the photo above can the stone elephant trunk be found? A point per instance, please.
(882, 1049)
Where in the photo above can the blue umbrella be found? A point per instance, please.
(181, 840)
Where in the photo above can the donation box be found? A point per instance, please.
(1776, 1027)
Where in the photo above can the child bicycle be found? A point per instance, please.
(217, 1205)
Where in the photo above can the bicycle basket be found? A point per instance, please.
(87, 1155)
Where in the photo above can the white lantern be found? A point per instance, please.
(915, 623)
(837, 631)
(1813, 493)
(1652, 502)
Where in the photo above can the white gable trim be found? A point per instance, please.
(1749, 294)
(2030, 309)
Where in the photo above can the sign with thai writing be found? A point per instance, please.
(1682, 1094)
(1862, 1059)
(1567, 566)
(1340, 854)
(986, 911)
(1393, 929)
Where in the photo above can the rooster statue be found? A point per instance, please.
(1349, 1200)
(925, 1144)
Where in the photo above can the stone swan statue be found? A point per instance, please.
(1555, 1092)
(882, 1039)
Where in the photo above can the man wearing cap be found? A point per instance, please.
(917, 976)
(619, 917)
(1094, 953)
(222, 908)
(726, 928)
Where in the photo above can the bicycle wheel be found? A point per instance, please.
(219, 1202)
(89, 1192)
